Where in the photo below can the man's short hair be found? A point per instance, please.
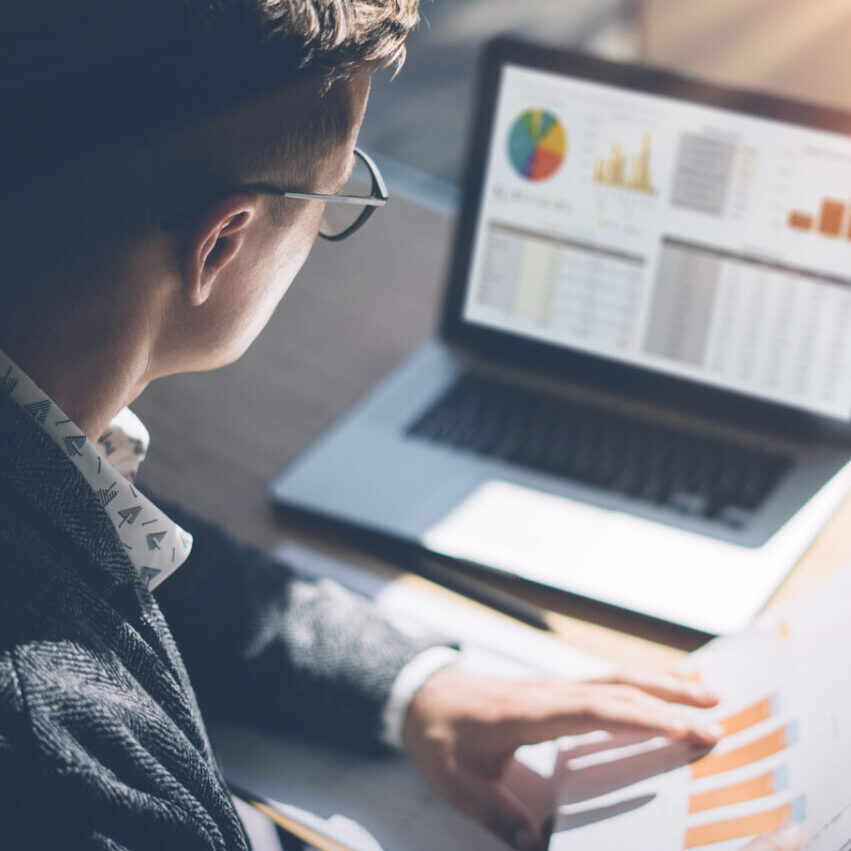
(80, 78)
(82, 82)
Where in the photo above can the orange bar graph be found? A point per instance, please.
(746, 755)
(747, 790)
(738, 828)
(751, 715)
(800, 221)
(830, 220)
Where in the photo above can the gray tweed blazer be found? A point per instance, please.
(102, 744)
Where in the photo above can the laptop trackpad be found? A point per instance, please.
(521, 531)
(606, 555)
(628, 561)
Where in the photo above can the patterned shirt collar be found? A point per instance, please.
(155, 545)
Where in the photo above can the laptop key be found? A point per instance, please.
(734, 516)
(639, 458)
(688, 502)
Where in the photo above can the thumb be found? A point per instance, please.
(494, 806)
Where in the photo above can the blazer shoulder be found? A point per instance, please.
(40, 576)
(12, 709)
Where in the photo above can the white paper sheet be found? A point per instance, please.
(787, 755)
(263, 834)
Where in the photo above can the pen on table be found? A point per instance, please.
(306, 833)
(448, 572)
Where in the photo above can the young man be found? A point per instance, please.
(145, 231)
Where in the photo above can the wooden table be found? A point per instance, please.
(355, 310)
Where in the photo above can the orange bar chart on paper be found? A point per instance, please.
(760, 749)
(745, 826)
(752, 789)
(751, 715)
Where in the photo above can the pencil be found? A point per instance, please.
(302, 831)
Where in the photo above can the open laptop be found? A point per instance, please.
(641, 392)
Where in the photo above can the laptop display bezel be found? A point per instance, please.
(592, 370)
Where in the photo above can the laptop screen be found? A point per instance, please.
(673, 236)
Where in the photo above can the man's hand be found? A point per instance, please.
(461, 730)
(788, 838)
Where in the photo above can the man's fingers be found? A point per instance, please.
(788, 838)
(672, 687)
(568, 712)
(495, 807)
(635, 709)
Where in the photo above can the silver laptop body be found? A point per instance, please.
(641, 391)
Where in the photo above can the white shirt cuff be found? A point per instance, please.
(408, 682)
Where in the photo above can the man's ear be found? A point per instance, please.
(213, 241)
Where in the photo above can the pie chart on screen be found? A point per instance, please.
(537, 144)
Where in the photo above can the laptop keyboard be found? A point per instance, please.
(693, 474)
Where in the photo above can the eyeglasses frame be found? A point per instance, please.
(377, 198)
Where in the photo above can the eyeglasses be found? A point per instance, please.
(362, 194)
(345, 212)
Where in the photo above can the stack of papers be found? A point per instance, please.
(786, 755)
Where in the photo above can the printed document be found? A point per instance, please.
(786, 755)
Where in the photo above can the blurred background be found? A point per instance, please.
(420, 120)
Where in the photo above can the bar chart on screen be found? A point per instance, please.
(813, 197)
(785, 756)
(832, 219)
(629, 173)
